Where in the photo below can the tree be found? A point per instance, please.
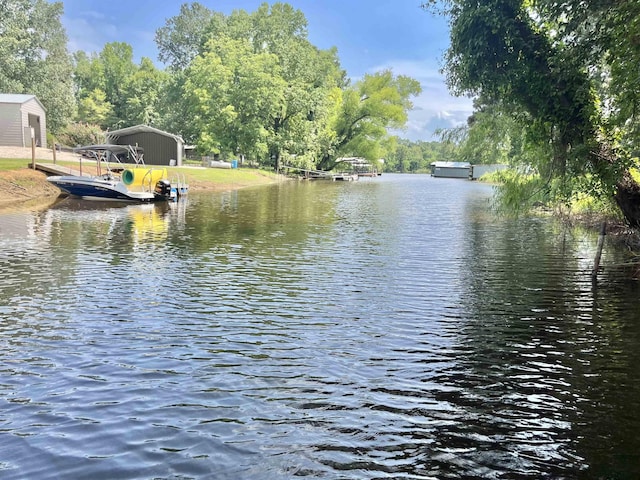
(118, 68)
(493, 136)
(181, 38)
(142, 92)
(400, 160)
(15, 44)
(258, 87)
(172, 107)
(309, 75)
(88, 73)
(410, 156)
(515, 55)
(93, 105)
(112, 91)
(604, 35)
(231, 95)
(94, 108)
(34, 57)
(377, 102)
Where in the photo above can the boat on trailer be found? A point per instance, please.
(126, 178)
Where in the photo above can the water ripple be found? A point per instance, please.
(347, 331)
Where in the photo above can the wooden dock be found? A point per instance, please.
(55, 169)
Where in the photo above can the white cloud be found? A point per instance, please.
(435, 107)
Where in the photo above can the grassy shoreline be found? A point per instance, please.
(20, 186)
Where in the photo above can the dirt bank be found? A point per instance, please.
(26, 187)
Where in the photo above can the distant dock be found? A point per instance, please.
(333, 176)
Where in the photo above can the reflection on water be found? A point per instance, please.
(389, 328)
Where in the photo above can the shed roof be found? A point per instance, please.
(451, 164)
(140, 129)
(18, 98)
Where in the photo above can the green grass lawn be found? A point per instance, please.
(242, 176)
(13, 163)
(222, 174)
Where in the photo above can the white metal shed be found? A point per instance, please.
(450, 169)
(19, 113)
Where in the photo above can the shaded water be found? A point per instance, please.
(390, 328)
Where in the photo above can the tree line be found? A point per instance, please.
(245, 84)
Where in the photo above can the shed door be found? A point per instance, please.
(34, 122)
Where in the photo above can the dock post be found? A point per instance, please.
(596, 261)
(33, 149)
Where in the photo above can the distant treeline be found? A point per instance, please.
(416, 157)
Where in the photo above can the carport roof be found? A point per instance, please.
(141, 129)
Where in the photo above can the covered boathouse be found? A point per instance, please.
(160, 148)
(451, 169)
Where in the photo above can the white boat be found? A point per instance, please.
(132, 181)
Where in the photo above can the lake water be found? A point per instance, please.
(387, 328)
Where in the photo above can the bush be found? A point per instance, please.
(79, 134)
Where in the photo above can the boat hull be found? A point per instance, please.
(101, 189)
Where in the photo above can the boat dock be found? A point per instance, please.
(54, 169)
(333, 176)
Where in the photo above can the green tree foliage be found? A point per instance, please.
(34, 57)
(377, 102)
(172, 106)
(416, 157)
(113, 92)
(258, 87)
(309, 75)
(93, 106)
(560, 71)
(604, 37)
(181, 38)
(88, 73)
(232, 94)
(487, 138)
(142, 91)
(117, 68)
(497, 51)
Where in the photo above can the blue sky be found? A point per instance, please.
(370, 35)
